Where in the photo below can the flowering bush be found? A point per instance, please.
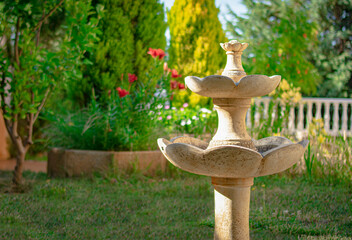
(124, 122)
(275, 121)
(134, 115)
(185, 119)
(286, 94)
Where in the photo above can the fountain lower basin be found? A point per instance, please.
(274, 155)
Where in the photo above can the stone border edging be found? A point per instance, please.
(76, 163)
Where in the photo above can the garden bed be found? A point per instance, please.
(75, 163)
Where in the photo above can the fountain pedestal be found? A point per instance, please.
(232, 197)
(232, 123)
(232, 159)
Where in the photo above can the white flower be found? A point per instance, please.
(189, 121)
(160, 93)
(160, 106)
(203, 115)
(173, 108)
(183, 122)
(195, 118)
(204, 110)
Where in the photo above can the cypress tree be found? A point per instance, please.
(128, 28)
(195, 36)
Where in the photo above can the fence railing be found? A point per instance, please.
(335, 112)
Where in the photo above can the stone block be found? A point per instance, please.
(76, 163)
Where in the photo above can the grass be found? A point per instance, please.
(137, 207)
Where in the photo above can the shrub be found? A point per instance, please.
(127, 121)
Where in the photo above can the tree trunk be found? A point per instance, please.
(17, 174)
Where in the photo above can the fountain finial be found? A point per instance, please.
(233, 68)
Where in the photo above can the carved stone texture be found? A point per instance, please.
(232, 161)
(232, 158)
(233, 68)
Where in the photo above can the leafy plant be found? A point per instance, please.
(195, 121)
(275, 119)
(128, 28)
(309, 160)
(30, 67)
(127, 121)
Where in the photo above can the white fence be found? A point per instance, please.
(336, 113)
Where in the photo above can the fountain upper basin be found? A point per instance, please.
(218, 86)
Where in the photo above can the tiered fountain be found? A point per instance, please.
(232, 159)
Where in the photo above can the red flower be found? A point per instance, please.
(174, 84)
(305, 35)
(174, 74)
(156, 53)
(181, 86)
(161, 53)
(122, 92)
(152, 52)
(131, 78)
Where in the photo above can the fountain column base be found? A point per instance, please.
(232, 197)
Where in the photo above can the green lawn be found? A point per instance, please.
(137, 207)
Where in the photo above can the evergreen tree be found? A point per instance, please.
(282, 37)
(195, 36)
(334, 55)
(128, 28)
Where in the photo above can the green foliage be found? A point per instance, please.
(31, 67)
(197, 121)
(129, 28)
(29, 79)
(195, 36)
(333, 57)
(281, 35)
(127, 121)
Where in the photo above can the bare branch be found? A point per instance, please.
(30, 123)
(42, 104)
(47, 15)
(16, 139)
(38, 31)
(17, 57)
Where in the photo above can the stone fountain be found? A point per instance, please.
(232, 159)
